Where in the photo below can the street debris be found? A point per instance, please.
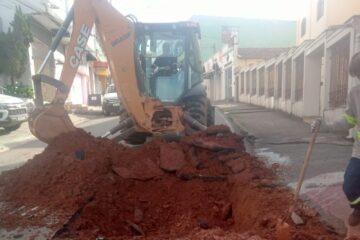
(204, 187)
(136, 228)
(297, 220)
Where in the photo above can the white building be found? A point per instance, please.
(312, 79)
(222, 71)
(45, 18)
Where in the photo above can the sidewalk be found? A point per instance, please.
(88, 110)
(280, 138)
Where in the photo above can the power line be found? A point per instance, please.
(7, 6)
(29, 6)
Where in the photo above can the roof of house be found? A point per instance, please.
(260, 53)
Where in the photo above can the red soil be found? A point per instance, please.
(205, 187)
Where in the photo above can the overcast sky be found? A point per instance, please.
(171, 10)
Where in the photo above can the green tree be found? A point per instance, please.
(19, 90)
(14, 47)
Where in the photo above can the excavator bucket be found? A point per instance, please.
(49, 121)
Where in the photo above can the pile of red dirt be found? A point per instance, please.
(204, 187)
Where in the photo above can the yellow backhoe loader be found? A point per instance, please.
(156, 69)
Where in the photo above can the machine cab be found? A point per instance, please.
(168, 59)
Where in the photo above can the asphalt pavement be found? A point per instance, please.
(18, 146)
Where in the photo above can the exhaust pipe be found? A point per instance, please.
(122, 135)
(127, 123)
(193, 122)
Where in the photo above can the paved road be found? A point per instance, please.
(20, 145)
(281, 138)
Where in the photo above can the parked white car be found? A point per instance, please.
(111, 102)
(13, 112)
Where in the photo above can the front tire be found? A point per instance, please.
(105, 112)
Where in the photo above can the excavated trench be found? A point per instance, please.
(204, 187)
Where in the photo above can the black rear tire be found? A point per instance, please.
(106, 112)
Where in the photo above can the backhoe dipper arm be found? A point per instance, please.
(83, 21)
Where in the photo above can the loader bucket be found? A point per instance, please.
(49, 121)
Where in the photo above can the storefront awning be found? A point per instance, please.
(102, 72)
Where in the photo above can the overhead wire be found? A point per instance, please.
(7, 6)
(27, 5)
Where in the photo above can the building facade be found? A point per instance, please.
(45, 18)
(310, 80)
(322, 15)
(235, 44)
(250, 33)
(232, 67)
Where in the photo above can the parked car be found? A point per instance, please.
(111, 102)
(13, 112)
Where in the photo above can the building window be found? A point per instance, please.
(279, 78)
(320, 9)
(299, 78)
(288, 69)
(248, 83)
(237, 86)
(228, 82)
(261, 82)
(253, 80)
(340, 54)
(303, 27)
(242, 83)
(271, 80)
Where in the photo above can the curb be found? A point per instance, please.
(231, 125)
(87, 112)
